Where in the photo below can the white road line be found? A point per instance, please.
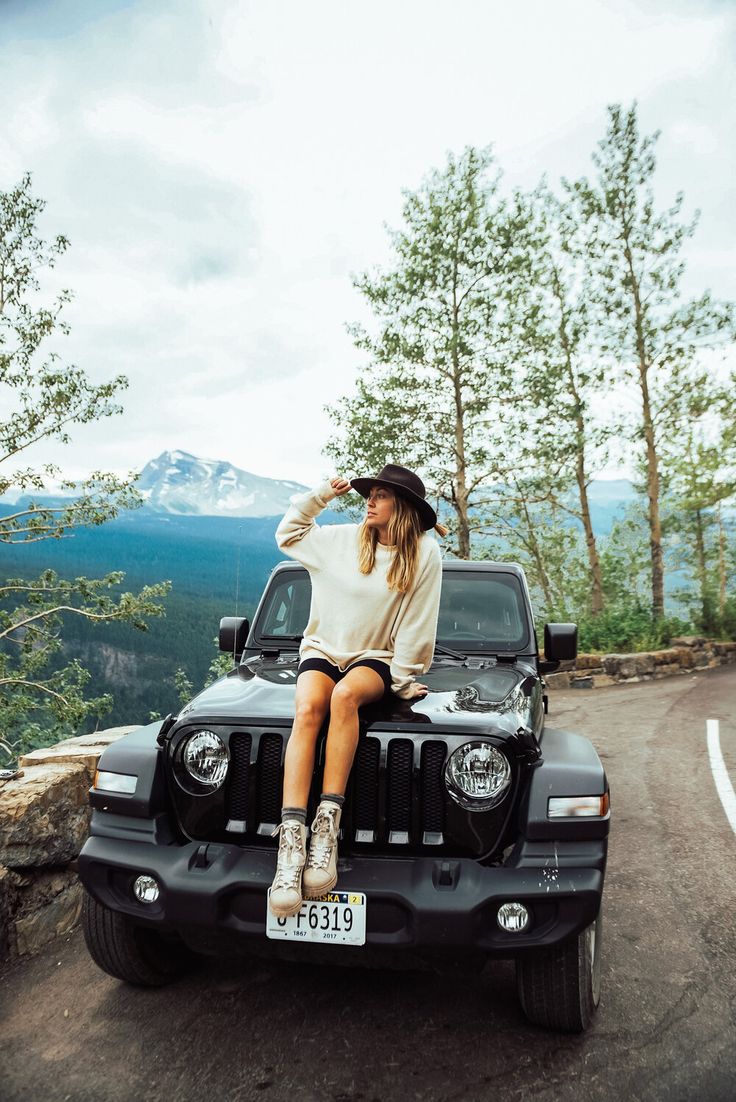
(720, 773)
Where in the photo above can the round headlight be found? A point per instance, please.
(205, 757)
(477, 776)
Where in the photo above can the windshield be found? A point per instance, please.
(480, 611)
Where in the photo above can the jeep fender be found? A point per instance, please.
(139, 755)
(569, 766)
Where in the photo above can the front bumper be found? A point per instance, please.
(412, 903)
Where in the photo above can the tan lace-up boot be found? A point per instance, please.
(320, 872)
(286, 891)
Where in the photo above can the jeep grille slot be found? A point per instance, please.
(239, 777)
(399, 765)
(365, 789)
(269, 780)
(433, 789)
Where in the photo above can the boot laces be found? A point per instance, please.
(291, 855)
(324, 838)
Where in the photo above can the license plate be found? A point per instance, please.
(336, 918)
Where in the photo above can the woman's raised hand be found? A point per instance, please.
(340, 485)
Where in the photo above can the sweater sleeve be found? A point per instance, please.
(415, 631)
(297, 534)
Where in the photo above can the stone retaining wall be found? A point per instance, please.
(44, 813)
(44, 818)
(685, 654)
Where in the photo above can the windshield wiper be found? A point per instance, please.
(446, 650)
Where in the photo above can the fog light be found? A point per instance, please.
(145, 889)
(513, 917)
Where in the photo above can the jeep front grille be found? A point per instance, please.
(396, 797)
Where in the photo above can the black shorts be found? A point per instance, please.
(336, 674)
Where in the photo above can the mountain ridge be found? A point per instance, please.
(179, 483)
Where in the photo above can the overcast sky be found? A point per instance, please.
(222, 168)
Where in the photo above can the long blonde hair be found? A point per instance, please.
(404, 530)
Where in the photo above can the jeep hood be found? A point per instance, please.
(506, 695)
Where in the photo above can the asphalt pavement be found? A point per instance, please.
(665, 1028)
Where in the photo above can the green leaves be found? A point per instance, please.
(42, 698)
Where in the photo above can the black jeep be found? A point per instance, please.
(470, 829)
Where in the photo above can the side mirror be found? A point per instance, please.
(233, 635)
(560, 645)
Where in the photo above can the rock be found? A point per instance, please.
(665, 657)
(582, 683)
(602, 679)
(626, 666)
(589, 661)
(688, 641)
(8, 906)
(668, 670)
(557, 680)
(85, 748)
(44, 815)
(49, 905)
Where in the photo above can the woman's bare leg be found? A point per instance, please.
(311, 704)
(360, 686)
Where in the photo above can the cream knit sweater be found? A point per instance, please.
(354, 615)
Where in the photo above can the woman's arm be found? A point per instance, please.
(297, 535)
(415, 630)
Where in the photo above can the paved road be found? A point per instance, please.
(666, 1027)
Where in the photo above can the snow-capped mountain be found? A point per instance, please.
(177, 482)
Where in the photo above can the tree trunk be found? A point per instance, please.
(655, 524)
(460, 504)
(534, 547)
(721, 563)
(701, 568)
(460, 489)
(652, 459)
(596, 581)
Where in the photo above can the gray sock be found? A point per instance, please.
(298, 813)
(339, 800)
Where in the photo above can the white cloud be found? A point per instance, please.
(221, 168)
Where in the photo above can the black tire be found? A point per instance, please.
(132, 953)
(560, 988)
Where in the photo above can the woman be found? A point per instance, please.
(372, 627)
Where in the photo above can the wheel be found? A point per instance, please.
(132, 953)
(560, 987)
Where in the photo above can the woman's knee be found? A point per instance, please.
(345, 698)
(310, 710)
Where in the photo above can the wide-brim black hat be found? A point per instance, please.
(406, 484)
